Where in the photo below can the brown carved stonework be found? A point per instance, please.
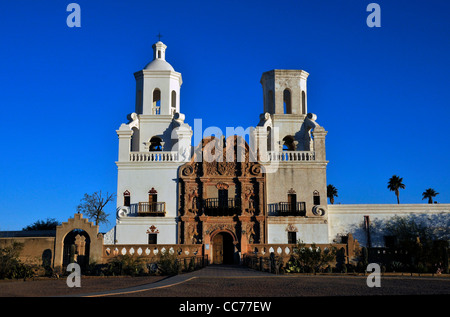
(222, 165)
(221, 185)
(192, 234)
(291, 228)
(152, 229)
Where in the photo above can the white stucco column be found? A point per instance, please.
(124, 134)
(319, 134)
(259, 139)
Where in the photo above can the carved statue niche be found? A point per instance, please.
(193, 200)
(249, 199)
(192, 233)
(250, 232)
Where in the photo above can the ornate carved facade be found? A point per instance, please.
(223, 192)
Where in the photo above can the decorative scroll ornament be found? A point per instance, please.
(188, 170)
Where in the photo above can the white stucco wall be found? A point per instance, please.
(139, 178)
(308, 230)
(134, 230)
(343, 219)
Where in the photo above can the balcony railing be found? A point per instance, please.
(291, 156)
(156, 156)
(221, 207)
(152, 209)
(287, 209)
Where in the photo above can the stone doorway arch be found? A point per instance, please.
(224, 248)
(78, 225)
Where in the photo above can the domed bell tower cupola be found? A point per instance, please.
(284, 92)
(286, 104)
(158, 85)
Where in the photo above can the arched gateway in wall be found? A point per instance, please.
(222, 199)
(83, 232)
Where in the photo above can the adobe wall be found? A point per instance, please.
(35, 249)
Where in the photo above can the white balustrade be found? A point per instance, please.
(291, 156)
(157, 156)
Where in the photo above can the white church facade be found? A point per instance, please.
(226, 191)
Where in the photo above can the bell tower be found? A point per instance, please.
(284, 92)
(156, 124)
(285, 103)
(158, 85)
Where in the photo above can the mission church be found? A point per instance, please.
(226, 194)
(222, 198)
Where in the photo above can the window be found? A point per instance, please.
(292, 237)
(152, 238)
(174, 99)
(316, 198)
(159, 54)
(287, 101)
(134, 144)
(223, 198)
(271, 102)
(303, 102)
(126, 198)
(156, 101)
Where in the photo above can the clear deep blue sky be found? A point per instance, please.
(381, 93)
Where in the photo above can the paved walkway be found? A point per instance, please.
(224, 271)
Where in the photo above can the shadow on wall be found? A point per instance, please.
(435, 226)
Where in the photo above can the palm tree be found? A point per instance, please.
(331, 193)
(430, 193)
(394, 184)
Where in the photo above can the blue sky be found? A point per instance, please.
(381, 93)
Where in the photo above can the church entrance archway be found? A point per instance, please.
(76, 248)
(223, 248)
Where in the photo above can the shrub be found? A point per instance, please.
(126, 265)
(10, 265)
(309, 259)
(168, 264)
(396, 266)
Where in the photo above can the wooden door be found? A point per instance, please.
(218, 249)
(292, 202)
(152, 199)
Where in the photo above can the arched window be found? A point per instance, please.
(156, 144)
(135, 139)
(271, 102)
(316, 198)
(126, 198)
(156, 101)
(269, 139)
(287, 101)
(174, 99)
(303, 102)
